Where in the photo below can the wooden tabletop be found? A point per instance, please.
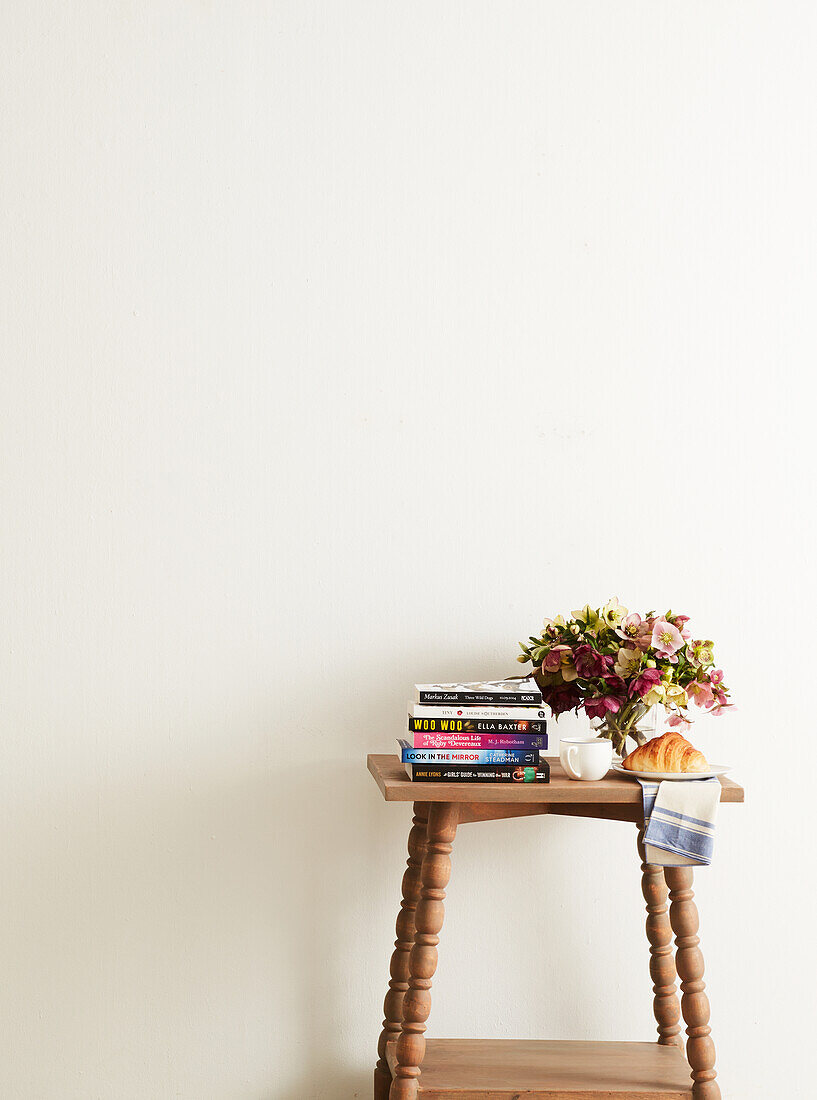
(395, 785)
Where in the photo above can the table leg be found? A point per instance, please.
(665, 1005)
(435, 873)
(689, 961)
(399, 967)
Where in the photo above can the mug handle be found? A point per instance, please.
(570, 750)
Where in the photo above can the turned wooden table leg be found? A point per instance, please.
(399, 968)
(665, 1005)
(689, 962)
(428, 920)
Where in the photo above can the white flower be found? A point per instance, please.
(613, 612)
(627, 661)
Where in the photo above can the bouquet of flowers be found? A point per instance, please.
(616, 665)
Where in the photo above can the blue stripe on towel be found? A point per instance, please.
(696, 845)
(650, 791)
(684, 817)
(687, 836)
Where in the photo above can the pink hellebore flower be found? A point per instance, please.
(597, 708)
(643, 639)
(611, 701)
(679, 720)
(629, 628)
(679, 621)
(644, 682)
(553, 660)
(716, 676)
(701, 694)
(719, 708)
(560, 659)
(666, 639)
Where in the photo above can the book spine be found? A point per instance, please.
(474, 725)
(469, 756)
(507, 714)
(481, 698)
(450, 773)
(525, 741)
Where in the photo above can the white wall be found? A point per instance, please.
(341, 343)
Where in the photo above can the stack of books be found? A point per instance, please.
(489, 732)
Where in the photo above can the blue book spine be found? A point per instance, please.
(410, 755)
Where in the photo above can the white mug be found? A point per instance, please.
(586, 758)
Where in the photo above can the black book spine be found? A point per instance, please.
(480, 773)
(476, 725)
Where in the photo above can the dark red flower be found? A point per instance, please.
(562, 699)
(589, 663)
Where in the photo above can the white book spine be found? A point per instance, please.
(505, 714)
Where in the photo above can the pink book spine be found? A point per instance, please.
(524, 741)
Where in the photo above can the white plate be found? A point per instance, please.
(712, 770)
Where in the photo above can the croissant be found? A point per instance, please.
(668, 753)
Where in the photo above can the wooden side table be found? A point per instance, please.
(506, 1069)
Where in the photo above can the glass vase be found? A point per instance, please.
(635, 720)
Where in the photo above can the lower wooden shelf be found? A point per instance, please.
(531, 1069)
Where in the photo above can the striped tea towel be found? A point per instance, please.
(680, 821)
